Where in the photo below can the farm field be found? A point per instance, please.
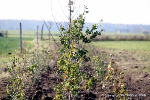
(27, 33)
(10, 46)
(125, 45)
(131, 56)
(134, 58)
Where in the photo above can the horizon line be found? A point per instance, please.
(85, 21)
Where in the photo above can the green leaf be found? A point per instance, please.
(87, 11)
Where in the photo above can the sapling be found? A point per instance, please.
(73, 57)
(114, 81)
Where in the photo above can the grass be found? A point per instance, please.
(11, 44)
(124, 45)
(126, 50)
(8, 45)
(27, 33)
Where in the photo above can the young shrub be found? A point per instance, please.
(16, 89)
(114, 82)
(73, 58)
(25, 70)
(99, 65)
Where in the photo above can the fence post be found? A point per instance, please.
(37, 36)
(42, 32)
(20, 38)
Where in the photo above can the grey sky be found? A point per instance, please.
(113, 11)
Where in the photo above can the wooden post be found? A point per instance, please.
(49, 31)
(37, 36)
(20, 38)
(42, 32)
(70, 12)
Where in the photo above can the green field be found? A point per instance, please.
(28, 33)
(125, 45)
(11, 44)
(130, 53)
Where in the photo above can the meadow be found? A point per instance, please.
(28, 33)
(133, 52)
(131, 56)
(10, 44)
(125, 45)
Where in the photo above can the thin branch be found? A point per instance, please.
(55, 19)
(62, 9)
(77, 10)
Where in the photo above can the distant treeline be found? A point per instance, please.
(108, 27)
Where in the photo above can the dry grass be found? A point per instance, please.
(4, 75)
(122, 38)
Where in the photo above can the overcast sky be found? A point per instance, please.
(112, 11)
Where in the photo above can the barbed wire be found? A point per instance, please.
(65, 14)
(66, 23)
(77, 9)
(55, 19)
(62, 10)
(47, 27)
(50, 33)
